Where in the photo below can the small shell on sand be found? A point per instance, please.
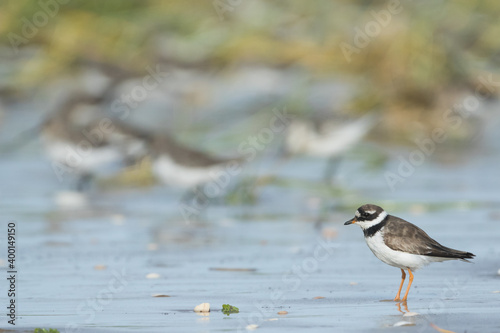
(203, 307)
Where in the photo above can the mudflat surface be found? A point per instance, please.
(88, 268)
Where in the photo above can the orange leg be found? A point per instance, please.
(409, 285)
(403, 277)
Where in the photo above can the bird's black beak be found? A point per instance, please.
(351, 221)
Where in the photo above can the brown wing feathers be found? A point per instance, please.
(401, 235)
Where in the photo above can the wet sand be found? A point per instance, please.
(85, 269)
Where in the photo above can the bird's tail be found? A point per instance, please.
(462, 255)
(446, 252)
(467, 255)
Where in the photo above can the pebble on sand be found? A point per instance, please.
(251, 327)
(282, 313)
(152, 276)
(203, 307)
(69, 199)
(318, 297)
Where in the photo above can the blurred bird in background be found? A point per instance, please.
(327, 138)
(175, 164)
(82, 141)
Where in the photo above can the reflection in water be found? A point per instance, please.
(406, 319)
(405, 306)
(439, 329)
(205, 317)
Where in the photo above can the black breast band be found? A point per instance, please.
(375, 228)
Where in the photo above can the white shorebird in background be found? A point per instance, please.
(81, 141)
(181, 166)
(327, 138)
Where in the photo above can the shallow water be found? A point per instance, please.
(133, 233)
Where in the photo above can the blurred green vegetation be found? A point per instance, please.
(426, 57)
(44, 330)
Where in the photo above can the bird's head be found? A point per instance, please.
(368, 215)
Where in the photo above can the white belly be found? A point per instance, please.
(171, 173)
(398, 259)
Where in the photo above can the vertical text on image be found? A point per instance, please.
(11, 272)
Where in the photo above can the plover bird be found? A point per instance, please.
(201, 176)
(327, 138)
(80, 140)
(401, 244)
(182, 166)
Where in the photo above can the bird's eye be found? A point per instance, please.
(365, 214)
